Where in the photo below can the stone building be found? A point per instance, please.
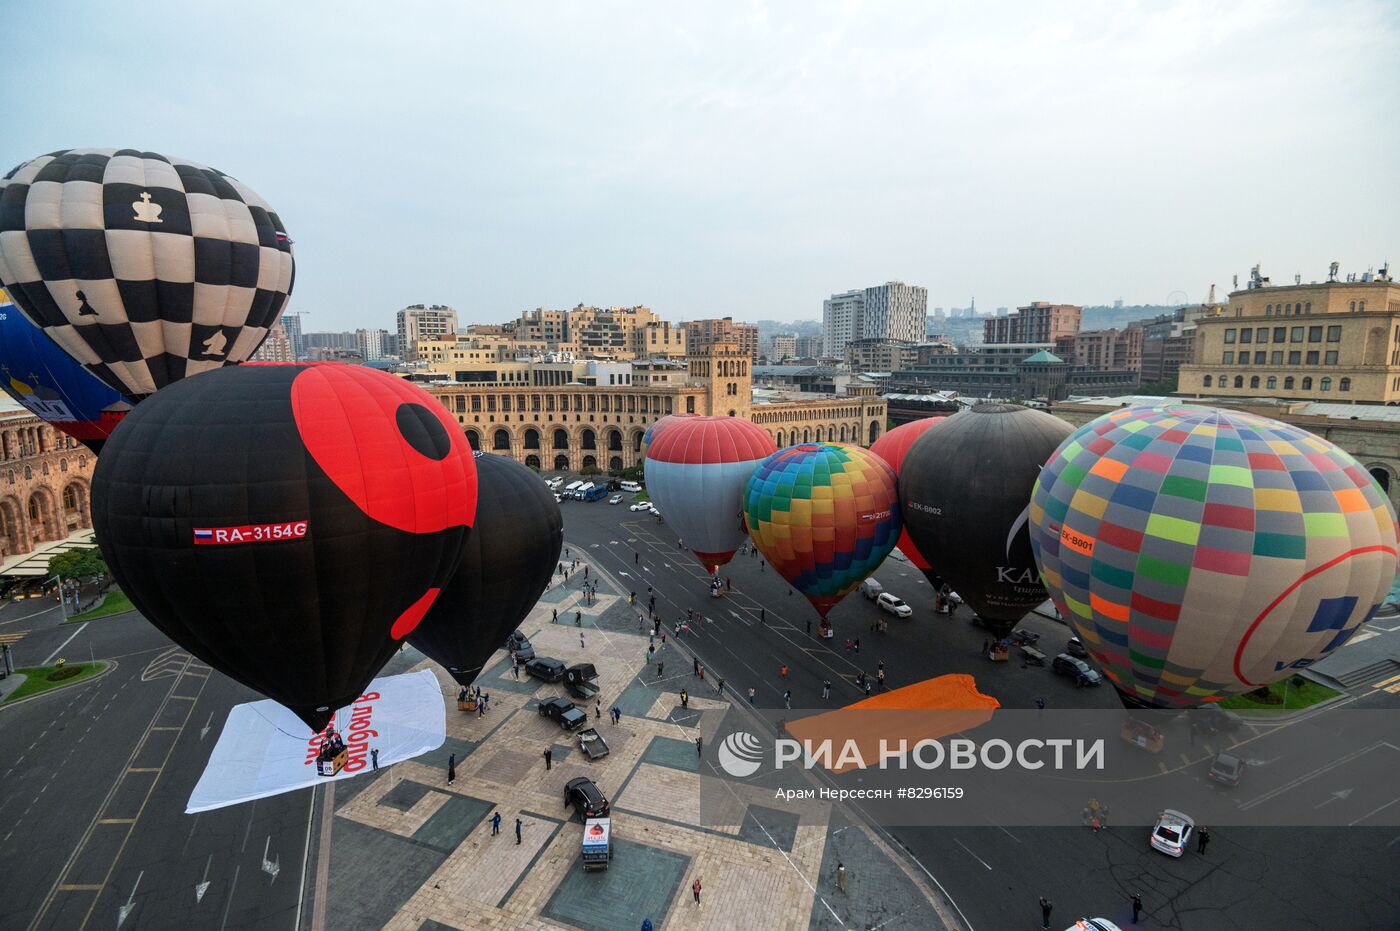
(1037, 322)
(45, 480)
(575, 425)
(702, 333)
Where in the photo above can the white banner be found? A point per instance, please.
(261, 752)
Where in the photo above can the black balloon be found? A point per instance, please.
(965, 493)
(287, 524)
(507, 563)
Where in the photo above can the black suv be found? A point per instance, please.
(586, 798)
(545, 668)
(520, 643)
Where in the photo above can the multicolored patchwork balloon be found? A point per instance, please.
(1201, 553)
(697, 469)
(824, 515)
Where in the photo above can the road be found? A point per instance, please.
(96, 778)
(1249, 877)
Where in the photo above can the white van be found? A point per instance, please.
(631, 486)
(871, 589)
(574, 485)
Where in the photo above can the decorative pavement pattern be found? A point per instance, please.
(411, 853)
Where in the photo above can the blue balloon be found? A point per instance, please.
(43, 378)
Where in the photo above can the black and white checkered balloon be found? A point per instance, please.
(143, 268)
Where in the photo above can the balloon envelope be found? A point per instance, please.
(697, 468)
(287, 524)
(965, 490)
(1200, 553)
(893, 447)
(660, 427)
(507, 563)
(144, 268)
(45, 380)
(824, 515)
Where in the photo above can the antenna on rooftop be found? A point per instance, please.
(1332, 271)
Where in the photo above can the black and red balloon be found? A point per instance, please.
(287, 524)
(507, 563)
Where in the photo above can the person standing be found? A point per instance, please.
(560, 570)
(685, 699)
(751, 694)
(1202, 839)
(451, 769)
(636, 558)
(1046, 907)
(578, 618)
(700, 746)
(826, 688)
(763, 615)
(548, 758)
(660, 666)
(518, 824)
(841, 876)
(696, 667)
(787, 699)
(597, 710)
(554, 615)
(495, 824)
(728, 584)
(374, 758)
(695, 891)
(1137, 906)
(581, 644)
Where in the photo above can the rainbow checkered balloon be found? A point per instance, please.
(824, 515)
(1201, 553)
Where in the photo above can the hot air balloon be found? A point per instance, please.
(893, 447)
(824, 515)
(1200, 553)
(143, 268)
(696, 472)
(287, 524)
(660, 427)
(46, 381)
(506, 564)
(965, 493)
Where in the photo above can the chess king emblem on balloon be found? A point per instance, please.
(825, 515)
(1201, 553)
(143, 268)
(288, 524)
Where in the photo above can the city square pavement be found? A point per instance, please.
(409, 851)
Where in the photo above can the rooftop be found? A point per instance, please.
(1044, 356)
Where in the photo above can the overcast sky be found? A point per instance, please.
(748, 158)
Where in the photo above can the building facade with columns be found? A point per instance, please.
(568, 427)
(45, 483)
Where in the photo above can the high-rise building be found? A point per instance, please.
(701, 333)
(276, 347)
(1103, 350)
(808, 347)
(343, 340)
(424, 321)
(1323, 341)
(893, 310)
(880, 355)
(1038, 322)
(782, 346)
(370, 344)
(292, 324)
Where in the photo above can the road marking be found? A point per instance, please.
(970, 853)
(228, 903)
(1373, 812)
(1340, 761)
(1385, 682)
(64, 643)
(116, 820)
(124, 910)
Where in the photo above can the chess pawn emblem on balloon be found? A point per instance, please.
(288, 524)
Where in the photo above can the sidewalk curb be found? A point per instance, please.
(110, 665)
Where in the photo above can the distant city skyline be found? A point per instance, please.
(748, 160)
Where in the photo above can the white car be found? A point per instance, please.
(893, 604)
(615, 499)
(640, 506)
(1093, 924)
(1172, 832)
(652, 508)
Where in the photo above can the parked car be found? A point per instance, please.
(631, 486)
(586, 798)
(563, 711)
(614, 485)
(1093, 924)
(1075, 647)
(640, 506)
(545, 668)
(520, 643)
(615, 499)
(1077, 669)
(894, 605)
(1226, 769)
(871, 588)
(1172, 832)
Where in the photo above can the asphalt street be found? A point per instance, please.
(96, 778)
(1249, 877)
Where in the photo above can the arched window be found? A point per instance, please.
(1272, 382)
(1254, 381)
(34, 508)
(806, 435)
(780, 438)
(63, 465)
(874, 431)
(1239, 381)
(1326, 383)
(1307, 383)
(1207, 384)
(1344, 385)
(70, 499)
(28, 472)
(819, 434)
(1288, 383)
(532, 438)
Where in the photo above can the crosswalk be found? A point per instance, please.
(1391, 685)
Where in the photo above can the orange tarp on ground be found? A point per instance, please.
(928, 710)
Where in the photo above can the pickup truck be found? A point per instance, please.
(563, 711)
(581, 680)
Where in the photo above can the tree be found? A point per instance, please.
(77, 564)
